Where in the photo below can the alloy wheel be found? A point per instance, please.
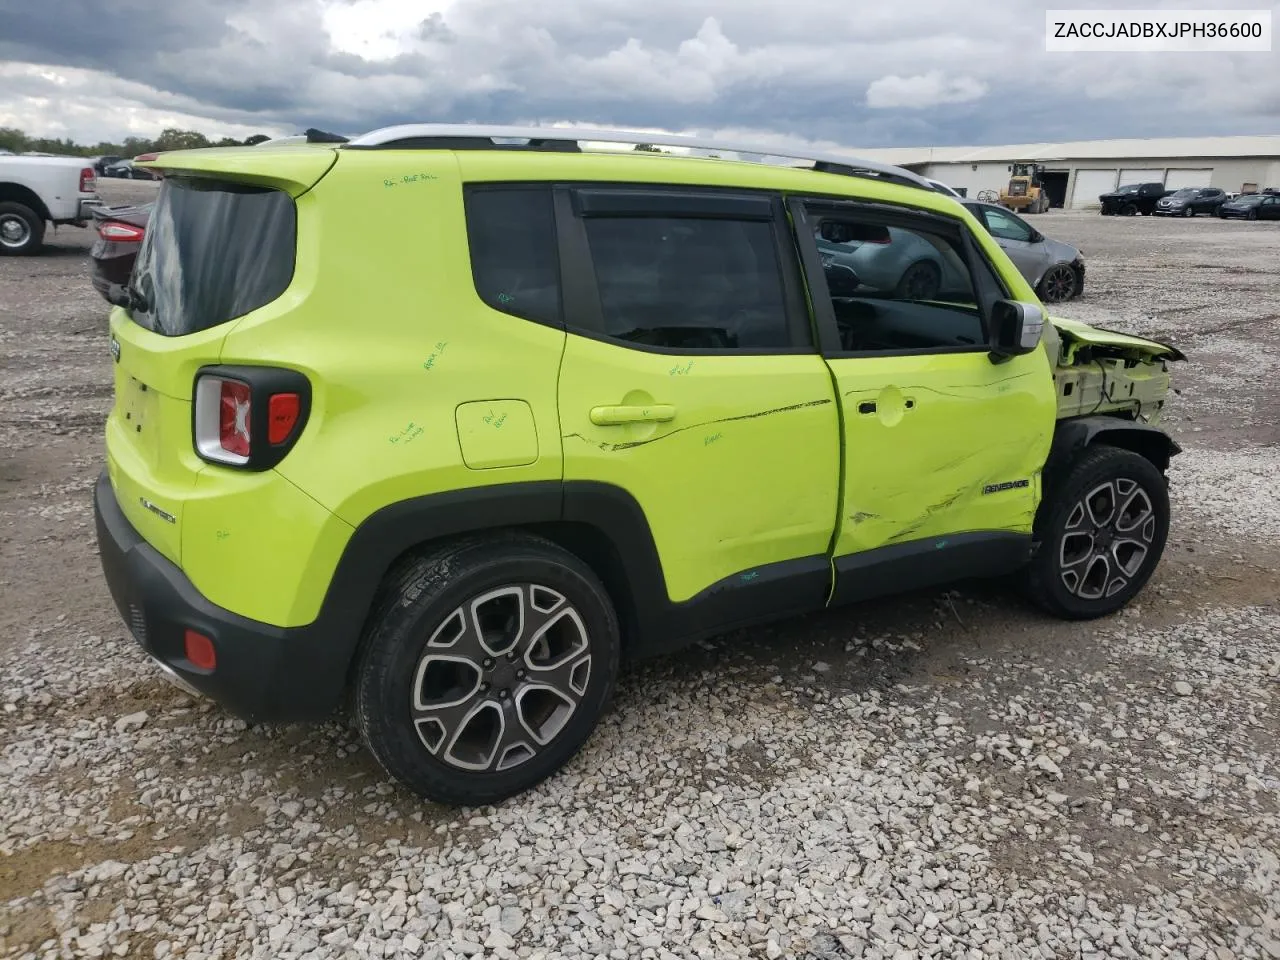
(500, 677)
(1059, 284)
(1109, 534)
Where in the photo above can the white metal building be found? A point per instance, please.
(1077, 172)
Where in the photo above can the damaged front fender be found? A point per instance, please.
(1105, 372)
(1075, 335)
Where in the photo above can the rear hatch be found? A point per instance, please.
(220, 243)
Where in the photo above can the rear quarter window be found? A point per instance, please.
(213, 251)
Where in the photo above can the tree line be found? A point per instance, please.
(18, 141)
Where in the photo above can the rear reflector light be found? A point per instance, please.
(87, 180)
(282, 414)
(114, 230)
(199, 650)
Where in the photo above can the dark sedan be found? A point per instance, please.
(120, 234)
(1189, 201)
(127, 170)
(1251, 206)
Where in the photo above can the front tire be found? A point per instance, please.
(486, 668)
(21, 230)
(1128, 210)
(1058, 284)
(1101, 532)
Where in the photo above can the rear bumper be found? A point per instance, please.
(263, 673)
(78, 215)
(111, 266)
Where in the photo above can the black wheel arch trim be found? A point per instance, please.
(1072, 436)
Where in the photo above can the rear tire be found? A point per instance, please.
(486, 668)
(1102, 532)
(21, 230)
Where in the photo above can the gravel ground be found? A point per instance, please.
(945, 774)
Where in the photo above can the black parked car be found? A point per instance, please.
(100, 164)
(1189, 201)
(1133, 198)
(126, 170)
(120, 233)
(1251, 206)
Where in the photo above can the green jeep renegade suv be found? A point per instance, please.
(444, 422)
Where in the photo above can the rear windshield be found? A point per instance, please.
(213, 251)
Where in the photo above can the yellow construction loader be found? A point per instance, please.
(1025, 192)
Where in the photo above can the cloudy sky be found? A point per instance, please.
(921, 72)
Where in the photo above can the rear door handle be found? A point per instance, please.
(612, 416)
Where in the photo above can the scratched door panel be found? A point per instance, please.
(926, 435)
(744, 473)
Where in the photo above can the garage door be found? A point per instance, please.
(1180, 177)
(1089, 184)
(1141, 175)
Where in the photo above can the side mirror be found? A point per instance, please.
(842, 281)
(1037, 236)
(1015, 328)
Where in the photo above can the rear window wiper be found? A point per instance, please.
(135, 299)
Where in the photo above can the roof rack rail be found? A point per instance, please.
(467, 136)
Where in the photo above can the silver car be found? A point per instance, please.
(1055, 269)
(867, 259)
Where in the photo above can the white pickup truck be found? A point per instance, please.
(37, 191)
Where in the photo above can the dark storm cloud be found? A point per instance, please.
(107, 34)
(858, 74)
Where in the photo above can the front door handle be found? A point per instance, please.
(613, 416)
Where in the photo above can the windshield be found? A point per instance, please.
(213, 251)
(1129, 188)
(1186, 192)
(1249, 199)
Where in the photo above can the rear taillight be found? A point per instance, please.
(115, 230)
(87, 180)
(235, 402)
(248, 416)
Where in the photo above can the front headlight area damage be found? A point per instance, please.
(1105, 372)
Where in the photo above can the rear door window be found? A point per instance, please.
(680, 282)
(213, 251)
